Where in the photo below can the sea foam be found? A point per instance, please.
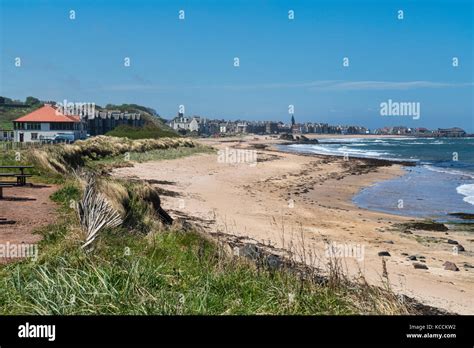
(468, 191)
(448, 171)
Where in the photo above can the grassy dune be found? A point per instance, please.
(150, 131)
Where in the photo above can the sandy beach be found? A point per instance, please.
(288, 200)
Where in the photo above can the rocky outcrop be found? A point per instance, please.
(299, 139)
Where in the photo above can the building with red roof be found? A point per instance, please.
(49, 124)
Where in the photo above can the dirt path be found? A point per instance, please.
(29, 208)
(286, 199)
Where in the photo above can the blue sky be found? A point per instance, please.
(282, 61)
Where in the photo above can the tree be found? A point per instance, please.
(292, 120)
(32, 101)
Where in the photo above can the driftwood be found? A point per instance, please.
(95, 213)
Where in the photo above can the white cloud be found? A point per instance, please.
(384, 85)
(328, 85)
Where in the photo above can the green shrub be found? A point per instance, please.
(70, 191)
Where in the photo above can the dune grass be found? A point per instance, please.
(165, 273)
(149, 131)
(55, 162)
(153, 155)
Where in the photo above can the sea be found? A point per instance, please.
(440, 184)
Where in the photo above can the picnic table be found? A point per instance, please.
(19, 176)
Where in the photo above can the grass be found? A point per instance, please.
(21, 157)
(149, 131)
(8, 114)
(166, 273)
(54, 163)
(153, 155)
(14, 158)
(69, 192)
(6, 125)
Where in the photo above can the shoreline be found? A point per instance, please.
(388, 161)
(305, 201)
(415, 170)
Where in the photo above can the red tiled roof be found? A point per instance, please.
(48, 114)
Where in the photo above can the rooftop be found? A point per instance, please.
(48, 113)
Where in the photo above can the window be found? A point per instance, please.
(19, 125)
(5, 135)
(34, 136)
(61, 126)
(33, 126)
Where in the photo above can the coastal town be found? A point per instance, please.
(49, 123)
(196, 125)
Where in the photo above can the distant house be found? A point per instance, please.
(212, 128)
(283, 128)
(241, 127)
(297, 128)
(194, 125)
(271, 127)
(422, 132)
(7, 135)
(256, 127)
(227, 127)
(47, 123)
(451, 132)
(223, 127)
(400, 130)
(187, 124)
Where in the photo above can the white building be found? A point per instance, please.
(241, 127)
(186, 123)
(194, 125)
(47, 123)
(7, 135)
